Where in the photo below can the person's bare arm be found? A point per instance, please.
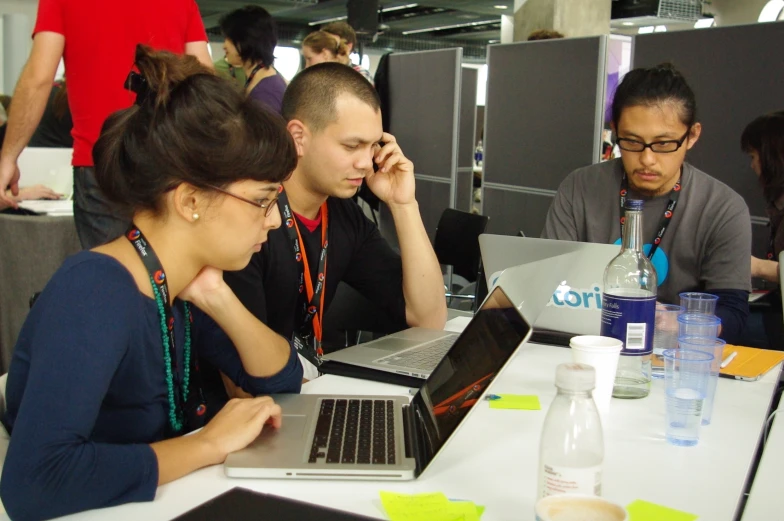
(29, 101)
(201, 52)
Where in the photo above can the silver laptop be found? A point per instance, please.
(386, 437)
(575, 306)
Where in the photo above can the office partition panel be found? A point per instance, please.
(424, 118)
(737, 74)
(543, 119)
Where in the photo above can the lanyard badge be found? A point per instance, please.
(666, 219)
(307, 336)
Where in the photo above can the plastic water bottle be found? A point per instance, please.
(571, 451)
(479, 153)
(629, 307)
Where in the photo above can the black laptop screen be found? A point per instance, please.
(477, 356)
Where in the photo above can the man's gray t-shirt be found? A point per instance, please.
(707, 245)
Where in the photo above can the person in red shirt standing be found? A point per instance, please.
(97, 39)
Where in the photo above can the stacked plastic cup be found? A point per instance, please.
(698, 330)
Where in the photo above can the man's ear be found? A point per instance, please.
(301, 135)
(694, 135)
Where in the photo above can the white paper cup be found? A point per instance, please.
(602, 353)
(579, 508)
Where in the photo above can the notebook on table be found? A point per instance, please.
(241, 504)
(750, 363)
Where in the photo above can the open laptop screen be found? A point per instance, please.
(477, 356)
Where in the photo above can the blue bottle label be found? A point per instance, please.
(629, 319)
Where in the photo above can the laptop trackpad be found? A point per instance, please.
(290, 434)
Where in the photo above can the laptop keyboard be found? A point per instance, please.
(354, 431)
(425, 357)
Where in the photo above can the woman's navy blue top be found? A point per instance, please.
(87, 393)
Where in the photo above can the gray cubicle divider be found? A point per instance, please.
(737, 74)
(464, 194)
(543, 119)
(424, 92)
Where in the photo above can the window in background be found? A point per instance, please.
(365, 63)
(287, 61)
(773, 10)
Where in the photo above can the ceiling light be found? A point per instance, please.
(398, 8)
(771, 11)
(327, 20)
(648, 29)
(704, 23)
(385, 10)
(500, 6)
(627, 23)
(660, 29)
(455, 26)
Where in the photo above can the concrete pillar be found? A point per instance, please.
(573, 18)
(16, 48)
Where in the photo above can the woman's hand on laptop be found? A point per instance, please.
(238, 424)
(37, 192)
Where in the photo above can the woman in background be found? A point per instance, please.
(105, 380)
(763, 140)
(320, 47)
(250, 38)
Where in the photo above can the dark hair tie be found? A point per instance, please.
(137, 83)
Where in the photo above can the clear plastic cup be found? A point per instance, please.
(693, 302)
(715, 347)
(697, 325)
(665, 335)
(686, 375)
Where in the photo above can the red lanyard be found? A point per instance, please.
(315, 293)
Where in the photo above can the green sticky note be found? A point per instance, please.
(516, 401)
(427, 507)
(640, 510)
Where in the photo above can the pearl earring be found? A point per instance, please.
(195, 216)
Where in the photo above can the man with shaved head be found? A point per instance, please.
(334, 117)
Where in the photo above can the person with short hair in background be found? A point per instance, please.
(250, 38)
(334, 116)
(104, 381)
(320, 47)
(697, 229)
(101, 41)
(343, 31)
(545, 34)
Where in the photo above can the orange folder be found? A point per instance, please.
(750, 363)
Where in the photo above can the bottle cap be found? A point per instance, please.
(575, 377)
(633, 205)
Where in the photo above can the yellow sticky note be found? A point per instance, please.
(427, 507)
(516, 401)
(640, 510)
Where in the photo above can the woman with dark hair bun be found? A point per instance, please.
(104, 380)
(763, 140)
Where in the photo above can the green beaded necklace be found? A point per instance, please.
(175, 413)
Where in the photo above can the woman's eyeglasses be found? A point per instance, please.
(265, 204)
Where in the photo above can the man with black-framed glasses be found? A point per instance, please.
(696, 229)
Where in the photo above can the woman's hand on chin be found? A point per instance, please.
(207, 286)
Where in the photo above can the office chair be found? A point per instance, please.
(457, 245)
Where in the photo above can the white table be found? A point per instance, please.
(766, 500)
(493, 459)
